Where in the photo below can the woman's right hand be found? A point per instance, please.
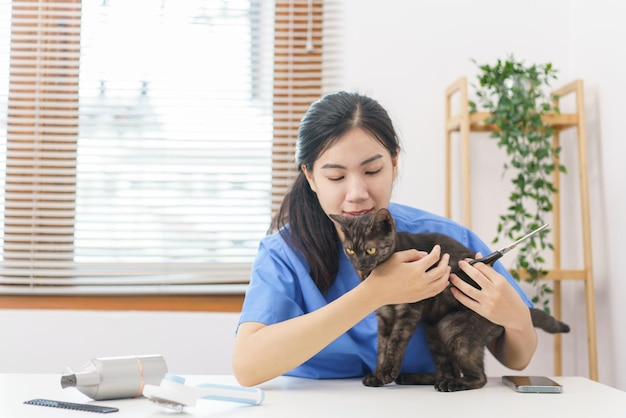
(407, 277)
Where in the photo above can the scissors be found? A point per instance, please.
(491, 258)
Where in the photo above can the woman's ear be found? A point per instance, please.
(309, 178)
(394, 163)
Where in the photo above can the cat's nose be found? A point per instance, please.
(364, 266)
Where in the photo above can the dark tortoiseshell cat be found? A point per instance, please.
(456, 335)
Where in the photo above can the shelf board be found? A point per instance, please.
(557, 274)
(477, 121)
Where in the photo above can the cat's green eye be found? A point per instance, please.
(371, 251)
(349, 251)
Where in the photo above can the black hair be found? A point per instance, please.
(300, 219)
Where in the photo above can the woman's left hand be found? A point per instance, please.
(497, 300)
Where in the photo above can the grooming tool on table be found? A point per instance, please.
(73, 406)
(174, 394)
(494, 256)
(116, 377)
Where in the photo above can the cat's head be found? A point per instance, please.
(368, 239)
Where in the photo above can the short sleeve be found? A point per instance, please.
(279, 279)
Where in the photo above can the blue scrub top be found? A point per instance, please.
(281, 288)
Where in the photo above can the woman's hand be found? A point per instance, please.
(500, 303)
(406, 278)
(497, 300)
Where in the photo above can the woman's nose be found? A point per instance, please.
(357, 190)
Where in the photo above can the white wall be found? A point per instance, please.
(405, 53)
(49, 341)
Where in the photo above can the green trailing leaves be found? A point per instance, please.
(517, 97)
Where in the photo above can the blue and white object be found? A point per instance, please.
(173, 393)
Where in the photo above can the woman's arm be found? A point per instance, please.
(262, 352)
(515, 348)
(500, 303)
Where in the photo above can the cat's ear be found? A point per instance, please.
(341, 220)
(384, 221)
(383, 214)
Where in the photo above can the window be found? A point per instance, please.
(147, 141)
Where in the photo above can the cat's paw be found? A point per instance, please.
(388, 374)
(454, 385)
(372, 380)
(449, 385)
(387, 378)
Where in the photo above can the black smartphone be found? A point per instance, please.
(532, 384)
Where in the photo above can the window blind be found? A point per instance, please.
(307, 57)
(148, 142)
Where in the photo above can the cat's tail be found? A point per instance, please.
(547, 322)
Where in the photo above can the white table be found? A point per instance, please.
(301, 398)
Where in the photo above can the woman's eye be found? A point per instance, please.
(372, 172)
(349, 251)
(335, 178)
(371, 251)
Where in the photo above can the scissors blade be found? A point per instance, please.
(525, 237)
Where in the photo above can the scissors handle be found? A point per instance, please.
(489, 259)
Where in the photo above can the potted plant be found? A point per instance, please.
(517, 96)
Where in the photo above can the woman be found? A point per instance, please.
(306, 313)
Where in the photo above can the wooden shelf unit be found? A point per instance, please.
(465, 123)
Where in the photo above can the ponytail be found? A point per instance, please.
(310, 232)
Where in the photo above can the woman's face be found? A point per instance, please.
(354, 176)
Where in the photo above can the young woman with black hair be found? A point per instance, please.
(306, 313)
